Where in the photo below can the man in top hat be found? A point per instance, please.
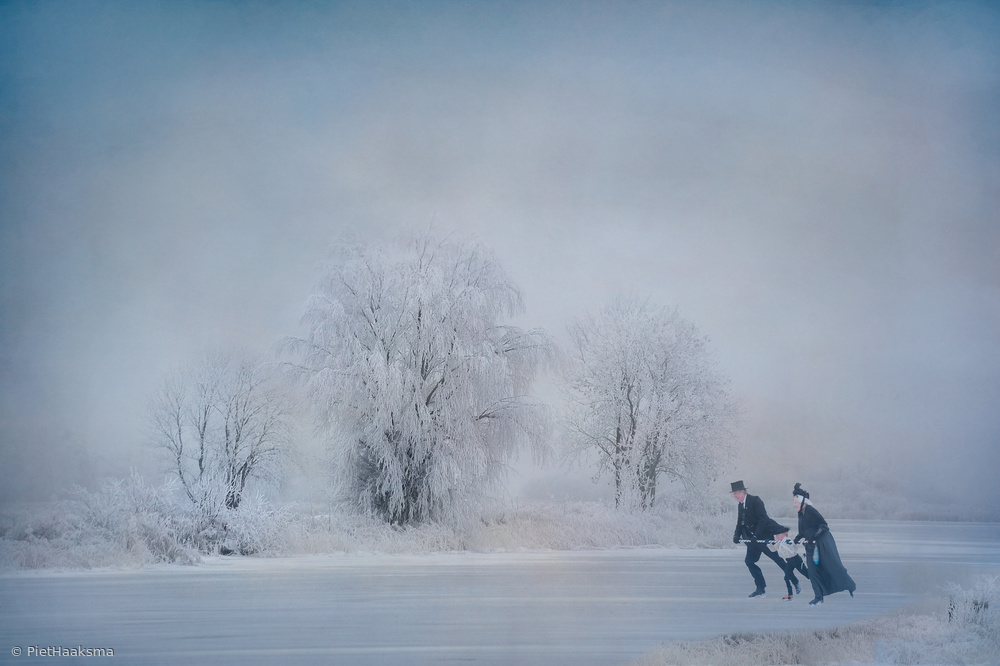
(751, 528)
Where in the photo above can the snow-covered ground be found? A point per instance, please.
(579, 607)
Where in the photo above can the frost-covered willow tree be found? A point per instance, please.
(422, 385)
(218, 426)
(645, 394)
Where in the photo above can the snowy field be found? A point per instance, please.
(576, 607)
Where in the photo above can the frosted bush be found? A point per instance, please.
(126, 523)
(255, 528)
(977, 606)
(968, 633)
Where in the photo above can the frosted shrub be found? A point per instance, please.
(129, 523)
(255, 528)
(137, 519)
(125, 523)
(32, 540)
(977, 607)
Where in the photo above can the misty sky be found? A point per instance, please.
(815, 185)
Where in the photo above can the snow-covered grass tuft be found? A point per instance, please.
(348, 532)
(968, 632)
(534, 526)
(583, 525)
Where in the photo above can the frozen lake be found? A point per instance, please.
(584, 607)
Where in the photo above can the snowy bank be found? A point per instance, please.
(961, 628)
(129, 524)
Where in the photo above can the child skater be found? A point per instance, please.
(788, 551)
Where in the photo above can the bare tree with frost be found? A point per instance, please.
(422, 386)
(220, 425)
(645, 394)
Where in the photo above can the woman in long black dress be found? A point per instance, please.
(826, 572)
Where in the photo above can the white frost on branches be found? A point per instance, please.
(423, 389)
(220, 425)
(646, 395)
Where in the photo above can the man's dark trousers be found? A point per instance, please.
(754, 551)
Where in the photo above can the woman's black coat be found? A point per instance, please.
(829, 576)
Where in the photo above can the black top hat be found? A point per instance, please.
(737, 485)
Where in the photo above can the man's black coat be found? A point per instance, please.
(752, 520)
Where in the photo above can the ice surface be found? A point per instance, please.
(582, 607)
